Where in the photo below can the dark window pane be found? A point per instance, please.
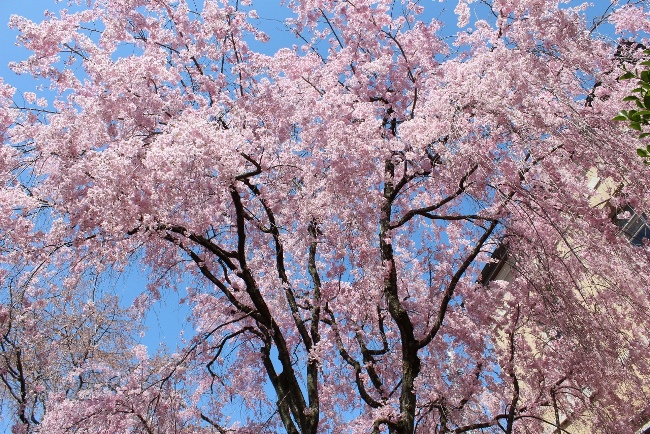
(644, 232)
(635, 226)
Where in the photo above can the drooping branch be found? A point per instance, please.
(425, 211)
(224, 255)
(224, 340)
(512, 408)
(451, 287)
(205, 270)
(218, 427)
(363, 392)
(280, 262)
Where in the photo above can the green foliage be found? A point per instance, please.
(639, 118)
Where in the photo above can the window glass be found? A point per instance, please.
(633, 225)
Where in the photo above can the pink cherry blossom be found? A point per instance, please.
(334, 208)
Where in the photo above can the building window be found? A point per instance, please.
(634, 226)
(492, 269)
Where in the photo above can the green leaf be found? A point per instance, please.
(636, 126)
(642, 152)
(646, 101)
(626, 76)
(646, 63)
(642, 135)
(631, 98)
(622, 116)
(638, 89)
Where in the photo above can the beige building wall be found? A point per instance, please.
(502, 269)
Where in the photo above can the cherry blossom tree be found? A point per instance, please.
(334, 203)
(57, 337)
